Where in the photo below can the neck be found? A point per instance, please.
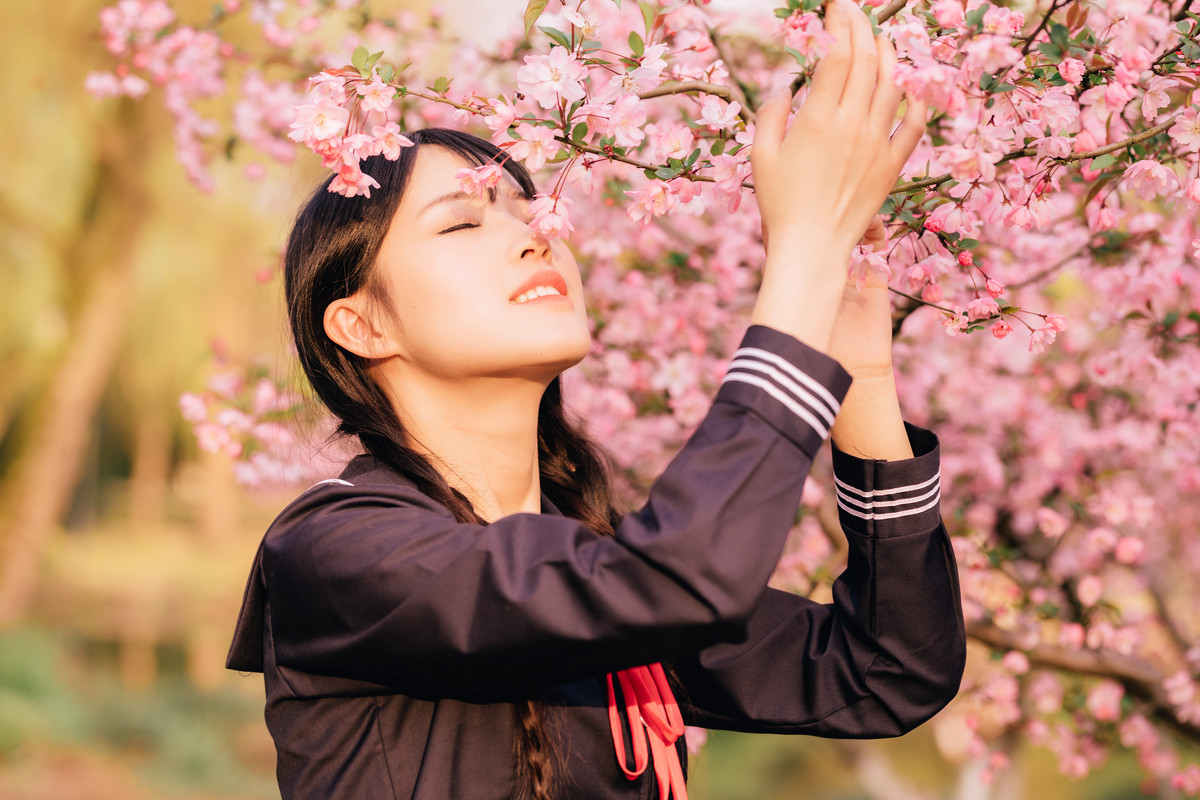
(480, 434)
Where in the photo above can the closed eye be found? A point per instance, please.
(459, 226)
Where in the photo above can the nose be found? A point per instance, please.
(535, 245)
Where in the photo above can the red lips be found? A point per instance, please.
(545, 277)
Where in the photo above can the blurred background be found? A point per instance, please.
(125, 548)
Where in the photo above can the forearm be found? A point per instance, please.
(870, 424)
(803, 272)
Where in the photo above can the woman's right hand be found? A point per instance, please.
(822, 180)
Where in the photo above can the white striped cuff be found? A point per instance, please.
(903, 501)
(890, 498)
(799, 393)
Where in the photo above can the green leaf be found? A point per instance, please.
(649, 12)
(1170, 319)
(532, 11)
(649, 173)
(1104, 161)
(784, 13)
(387, 73)
(974, 17)
(636, 45)
(1050, 50)
(579, 132)
(691, 159)
(1194, 316)
(1060, 35)
(1000, 88)
(665, 174)
(718, 147)
(558, 36)
(968, 244)
(796, 54)
(359, 59)
(373, 59)
(441, 84)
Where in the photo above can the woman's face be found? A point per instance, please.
(458, 271)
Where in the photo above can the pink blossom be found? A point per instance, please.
(949, 13)
(729, 171)
(351, 181)
(193, 407)
(1071, 70)
(932, 293)
(956, 322)
(1104, 700)
(503, 116)
(716, 112)
(1129, 550)
(550, 216)
(1041, 337)
(1187, 780)
(1192, 192)
(1015, 662)
(376, 95)
(982, 308)
(652, 200)
(1046, 693)
(1156, 96)
(1186, 130)
(389, 140)
(547, 78)
(535, 147)
(628, 117)
(805, 33)
(1001, 329)
(323, 119)
(327, 86)
(994, 288)
(1149, 179)
(1089, 590)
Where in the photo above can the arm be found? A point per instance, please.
(381, 584)
(885, 655)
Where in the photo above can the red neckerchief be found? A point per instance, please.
(648, 698)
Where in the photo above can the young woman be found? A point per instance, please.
(462, 614)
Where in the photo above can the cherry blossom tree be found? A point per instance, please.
(1043, 251)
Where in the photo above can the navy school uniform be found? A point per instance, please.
(395, 640)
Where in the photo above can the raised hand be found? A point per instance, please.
(820, 182)
(830, 172)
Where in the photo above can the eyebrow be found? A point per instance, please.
(513, 191)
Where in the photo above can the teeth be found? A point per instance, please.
(536, 292)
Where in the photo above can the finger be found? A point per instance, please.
(911, 129)
(860, 82)
(770, 124)
(829, 78)
(887, 95)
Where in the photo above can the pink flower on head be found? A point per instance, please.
(550, 216)
(389, 140)
(546, 78)
(327, 86)
(323, 119)
(352, 181)
(1071, 70)
(535, 146)
(716, 112)
(1149, 179)
(1186, 130)
(477, 180)
(376, 95)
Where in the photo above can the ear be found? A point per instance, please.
(348, 323)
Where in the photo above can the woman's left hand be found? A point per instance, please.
(862, 333)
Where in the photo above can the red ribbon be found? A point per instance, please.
(648, 699)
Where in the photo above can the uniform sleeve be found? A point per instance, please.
(386, 586)
(885, 655)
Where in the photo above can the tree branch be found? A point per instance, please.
(905, 188)
(1140, 678)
